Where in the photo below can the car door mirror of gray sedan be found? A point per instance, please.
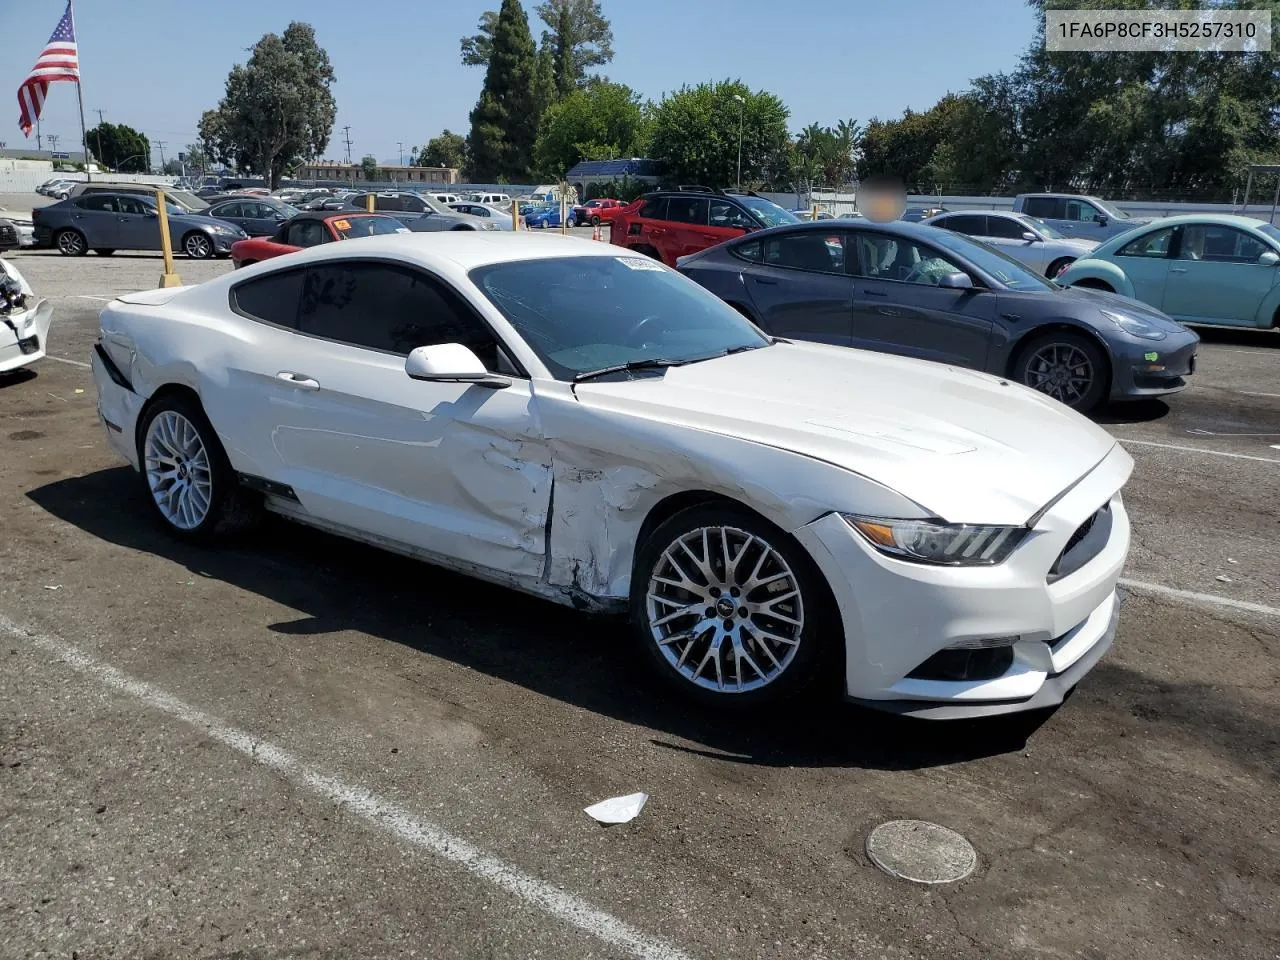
(1030, 237)
(956, 281)
(451, 362)
(1269, 258)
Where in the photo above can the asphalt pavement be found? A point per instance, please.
(302, 747)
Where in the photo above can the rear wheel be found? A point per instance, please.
(1067, 366)
(71, 243)
(103, 251)
(1093, 284)
(190, 484)
(729, 608)
(1058, 266)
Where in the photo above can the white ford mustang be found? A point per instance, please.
(559, 417)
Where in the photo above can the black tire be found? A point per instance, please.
(818, 634)
(103, 251)
(1034, 363)
(463, 226)
(232, 509)
(595, 221)
(1092, 284)
(194, 248)
(71, 243)
(1058, 266)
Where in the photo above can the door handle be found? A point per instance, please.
(1177, 269)
(875, 293)
(765, 283)
(889, 311)
(299, 380)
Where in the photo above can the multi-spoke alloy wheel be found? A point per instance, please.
(724, 608)
(1067, 367)
(178, 473)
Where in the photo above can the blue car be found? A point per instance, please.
(547, 215)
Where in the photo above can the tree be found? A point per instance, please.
(578, 38)
(504, 123)
(600, 122)
(826, 156)
(119, 147)
(369, 167)
(173, 167)
(278, 107)
(695, 133)
(197, 159)
(447, 150)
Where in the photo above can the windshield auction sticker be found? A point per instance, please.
(1158, 31)
(640, 263)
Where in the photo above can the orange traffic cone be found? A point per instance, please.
(595, 234)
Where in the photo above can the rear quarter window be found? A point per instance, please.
(271, 299)
(748, 251)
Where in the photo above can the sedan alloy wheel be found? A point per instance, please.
(724, 608)
(1067, 367)
(178, 470)
(198, 246)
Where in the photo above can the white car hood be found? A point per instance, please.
(965, 446)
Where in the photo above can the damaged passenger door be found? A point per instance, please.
(454, 469)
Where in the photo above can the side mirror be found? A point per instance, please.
(153, 212)
(1030, 237)
(1269, 258)
(1101, 219)
(450, 362)
(956, 281)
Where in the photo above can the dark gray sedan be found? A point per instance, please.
(924, 292)
(256, 216)
(107, 222)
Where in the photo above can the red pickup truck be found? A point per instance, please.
(595, 212)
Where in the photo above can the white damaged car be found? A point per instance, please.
(24, 320)
(593, 428)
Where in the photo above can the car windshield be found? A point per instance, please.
(1046, 230)
(768, 211)
(184, 199)
(348, 227)
(279, 206)
(583, 314)
(1270, 231)
(995, 264)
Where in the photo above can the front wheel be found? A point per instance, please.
(197, 246)
(595, 221)
(190, 484)
(1067, 366)
(1058, 266)
(729, 608)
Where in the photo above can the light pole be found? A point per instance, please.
(741, 107)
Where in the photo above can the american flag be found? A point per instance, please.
(60, 60)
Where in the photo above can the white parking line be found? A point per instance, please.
(1212, 453)
(74, 363)
(1250, 393)
(89, 296)
(389, 816)
(1203, 599)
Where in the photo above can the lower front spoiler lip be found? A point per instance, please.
(1052, 692)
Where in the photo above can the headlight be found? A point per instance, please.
(950, 544)
(1139, 328)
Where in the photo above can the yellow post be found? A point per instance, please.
(368, 202)
(168, 278)
(515, 214)
(813, 215)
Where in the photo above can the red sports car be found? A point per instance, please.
(312, 229)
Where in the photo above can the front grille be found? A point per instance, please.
(8, 235)
(1083, 545)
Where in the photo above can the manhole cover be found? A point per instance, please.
(920, 851)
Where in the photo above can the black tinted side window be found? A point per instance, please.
(655, 209)
(687, 210)
(748, 251)
(1005, 228)
(103, 203)
(966, 223)
(272, 298)
(394, 309)
(1045, 208)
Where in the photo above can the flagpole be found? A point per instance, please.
(84, 137)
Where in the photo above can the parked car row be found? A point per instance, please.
(771, 512)
(105, 222)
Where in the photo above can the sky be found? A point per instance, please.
(400, 80)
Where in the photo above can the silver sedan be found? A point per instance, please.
(1026, 239)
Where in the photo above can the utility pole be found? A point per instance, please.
(400, 144)
(347, 133)
(101, 159)
(53, 139)
(160, 144)
(38, 145)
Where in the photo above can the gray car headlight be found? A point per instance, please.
(928, 541)
(1139, 328)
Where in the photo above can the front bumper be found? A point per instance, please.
(900, 617)
(1153, 368)
(24, 337)
(222, 244)
(118, 406)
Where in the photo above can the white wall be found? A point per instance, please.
(23, 179)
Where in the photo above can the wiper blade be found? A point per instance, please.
(650, 364)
